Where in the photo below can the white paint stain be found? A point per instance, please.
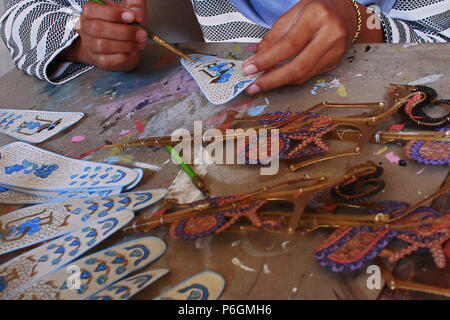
(266, 269)
(147, 166)
(238, 263)
(284, 244)
(235, 243)
(258, 253)
(335, 83)
(202, 243)
(427, 79)
(88, 106)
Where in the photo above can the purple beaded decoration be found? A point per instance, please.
(350, 248)
(436, 153)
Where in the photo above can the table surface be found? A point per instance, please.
(159, 97)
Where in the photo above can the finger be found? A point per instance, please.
(105, 46)
(295, 69)
(278, 30)
(291, 43)
(117, 62)
(113, 31)
(139, 7)
(328, 62)
(95, 11)
(323, 66)
(282, 25)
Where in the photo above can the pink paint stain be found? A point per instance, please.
(420, 171)
(175, 86)
(392, 158)
(78, 138)
(252, 47)
(124, 132)
(139, 125)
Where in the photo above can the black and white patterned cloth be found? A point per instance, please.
(36, 31)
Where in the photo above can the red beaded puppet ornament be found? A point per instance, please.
(413, 114)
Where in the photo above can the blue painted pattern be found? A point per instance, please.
(139, 251)
(92, 177)
(143, 198)
(240, 85)
(223, 71)
(7, 119)
(29, 167)
(98, 269)
(199, 292)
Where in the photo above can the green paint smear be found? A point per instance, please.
(341, 91)
(237, 48)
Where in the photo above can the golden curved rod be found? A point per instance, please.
(394, 283)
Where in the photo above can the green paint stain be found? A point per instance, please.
(342, 91)
(237, 48)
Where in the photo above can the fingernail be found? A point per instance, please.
(128, 16)
(253, 89)
(141, 36)
(78, 25)
(247, 60)
(137, 10)
(142, 45)
(250, 69)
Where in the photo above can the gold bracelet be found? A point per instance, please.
(358, 14)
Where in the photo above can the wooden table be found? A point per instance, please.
(159, 97)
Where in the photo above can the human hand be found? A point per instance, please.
(313, 35)
(106, 39)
